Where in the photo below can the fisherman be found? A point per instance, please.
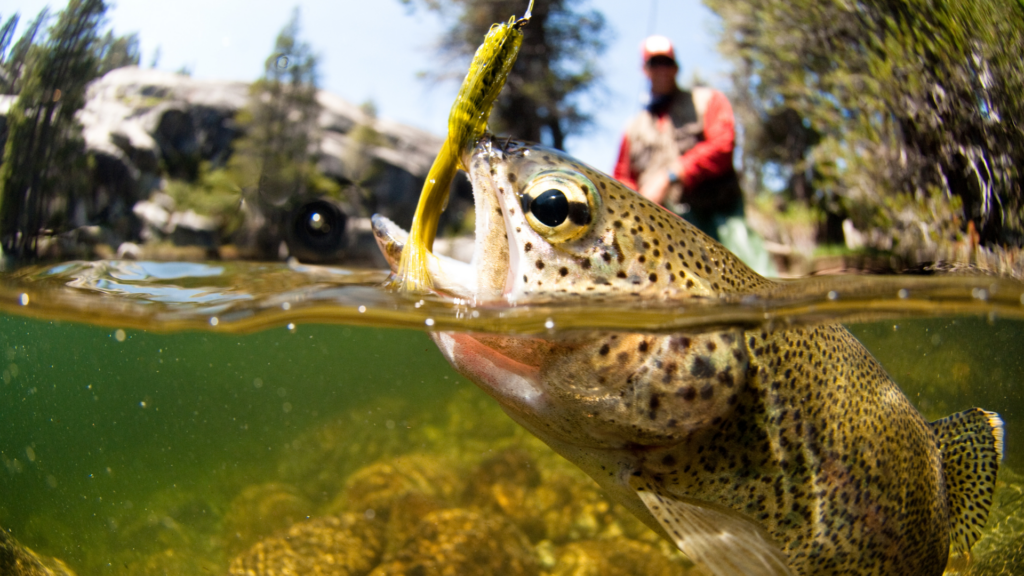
(678, 150)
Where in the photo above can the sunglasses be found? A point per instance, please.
(661, 61)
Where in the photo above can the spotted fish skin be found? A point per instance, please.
(795, 438)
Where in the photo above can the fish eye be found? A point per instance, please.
(551, 208)
(559, 205)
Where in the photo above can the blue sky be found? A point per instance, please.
(373, 49)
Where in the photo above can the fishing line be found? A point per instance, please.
(644, 96)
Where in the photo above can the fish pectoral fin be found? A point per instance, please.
(724, 543)
(971, 445)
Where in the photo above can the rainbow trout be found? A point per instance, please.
(757, 451)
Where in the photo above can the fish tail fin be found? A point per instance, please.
(971, 445)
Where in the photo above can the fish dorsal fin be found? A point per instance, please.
(724, 543)
(971, 444)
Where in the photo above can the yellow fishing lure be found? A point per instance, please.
(467, 122)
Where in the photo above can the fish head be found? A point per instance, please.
(549, 227)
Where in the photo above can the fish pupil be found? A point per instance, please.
(550, 208)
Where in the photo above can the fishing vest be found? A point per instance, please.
(653, 151)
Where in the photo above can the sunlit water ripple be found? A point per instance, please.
(241, 297)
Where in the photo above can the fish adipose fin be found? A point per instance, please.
(971, 444)
(724, 543)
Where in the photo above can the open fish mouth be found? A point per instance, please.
(488, 275)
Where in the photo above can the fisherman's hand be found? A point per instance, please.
(658, 188)
(655, 188)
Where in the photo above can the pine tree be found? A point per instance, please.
(118, 51)
(557, 64)
(890, 108)
(12, 63)
(273, 163)
(44, 159)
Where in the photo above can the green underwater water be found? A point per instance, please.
(94, 429)
(130, 450)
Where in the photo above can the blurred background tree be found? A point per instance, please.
(45, 169)
(544, 99)
(117, 52)
(44, 164)
(274, 163)
(900, 115)
(280, 122)
(12, 58)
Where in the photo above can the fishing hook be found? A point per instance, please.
(526, 17)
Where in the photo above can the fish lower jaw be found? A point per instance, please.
(447, 274)
(452, 276)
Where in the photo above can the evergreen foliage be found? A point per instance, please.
(214, 193)
(280, 124)
(274, 163)
(12, 63)
(117, 52)
(45, 166)
(894, 112)
(557, 66)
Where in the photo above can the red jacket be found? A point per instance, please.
(708, 159)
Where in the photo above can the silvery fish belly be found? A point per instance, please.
(756, 451)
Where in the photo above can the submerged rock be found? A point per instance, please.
(17, 560)
(377, 488)
(405, 517)
(347, 545)
(172, 561)
(614, 557)
(507, 484)
(514, 465)
(260, 510)
(320, 458)
(459, 542)
(548, 499)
